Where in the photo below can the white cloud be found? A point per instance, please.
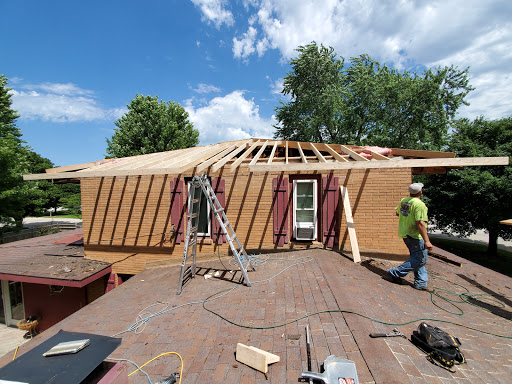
(214, 12)
(244, 47)
(68, 89)
(230, 117)
(206, 88)
(60, 103)
(465, 33)
(276, 86)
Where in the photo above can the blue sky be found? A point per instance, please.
(74, 66)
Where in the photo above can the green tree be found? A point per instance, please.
(365, 102)
(11, 163)
(17, 198)
(151, 126)
(472, 198)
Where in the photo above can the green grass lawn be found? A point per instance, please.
(477, 254)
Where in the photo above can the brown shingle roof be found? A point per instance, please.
(329, 281)
(43, 259)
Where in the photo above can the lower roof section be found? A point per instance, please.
(50, 260)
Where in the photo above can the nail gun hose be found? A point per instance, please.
(210, 298)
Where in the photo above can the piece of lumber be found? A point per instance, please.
(444, 258)
(350, 225)
(421, 153)
(374, 154)
(506, 222)
(353, 154)
(273, 153)
(335, 154)
(255, 159)
(238, 161)
(219, 164)
(409, 163)
(207, 163)
(254, 357)
(304, 160)
(68, 168)
(320, 157)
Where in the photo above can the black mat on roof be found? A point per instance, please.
(32, 367)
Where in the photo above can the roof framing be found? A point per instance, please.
(261, 155)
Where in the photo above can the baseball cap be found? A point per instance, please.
(415, 188)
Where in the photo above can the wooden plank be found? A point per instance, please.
(506, 222)
(199, 157)
(273, 153)
(409, 163)
(335, 154)
(254, 357)
(320, 157)
(304, 160)
(350, 224)
(420, 153)
(375, 155)
(353, 154)
(68, 168)
(259, 153)
(244, 155)
(219, 164)
(286, 153)
(213, 159)
(444, 258)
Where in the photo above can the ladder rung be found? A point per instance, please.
(219, 210)
(192, 215)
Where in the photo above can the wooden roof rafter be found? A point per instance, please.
(255, 159)
(244, 155)
(273, 152)
(218, 156)
(320, 157)
(354, 155)
(334, 154)
(219, 164)
(304, 160)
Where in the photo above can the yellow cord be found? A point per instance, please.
(15, 352)
(162, 354)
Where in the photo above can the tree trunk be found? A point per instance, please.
(492, 248)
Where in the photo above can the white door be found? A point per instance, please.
(304, 209)
(12, 298)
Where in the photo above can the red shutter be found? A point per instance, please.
(177, 209)
(280, 202)
(219, 187)
(330, 215)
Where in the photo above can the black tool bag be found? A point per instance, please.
(441, 348)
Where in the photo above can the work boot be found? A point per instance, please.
(394, 279)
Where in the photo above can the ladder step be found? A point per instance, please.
(219, 210)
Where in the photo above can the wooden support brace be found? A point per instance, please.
(350, 224)
(254, 357)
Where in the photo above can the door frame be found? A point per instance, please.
(6, 299)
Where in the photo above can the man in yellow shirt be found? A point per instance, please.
(412, 227)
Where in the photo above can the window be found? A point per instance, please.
(304, 209)
(204, 213)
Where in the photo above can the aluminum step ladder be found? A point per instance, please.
(199, 186)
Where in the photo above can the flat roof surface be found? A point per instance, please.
(49, 257)
(292, 285)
